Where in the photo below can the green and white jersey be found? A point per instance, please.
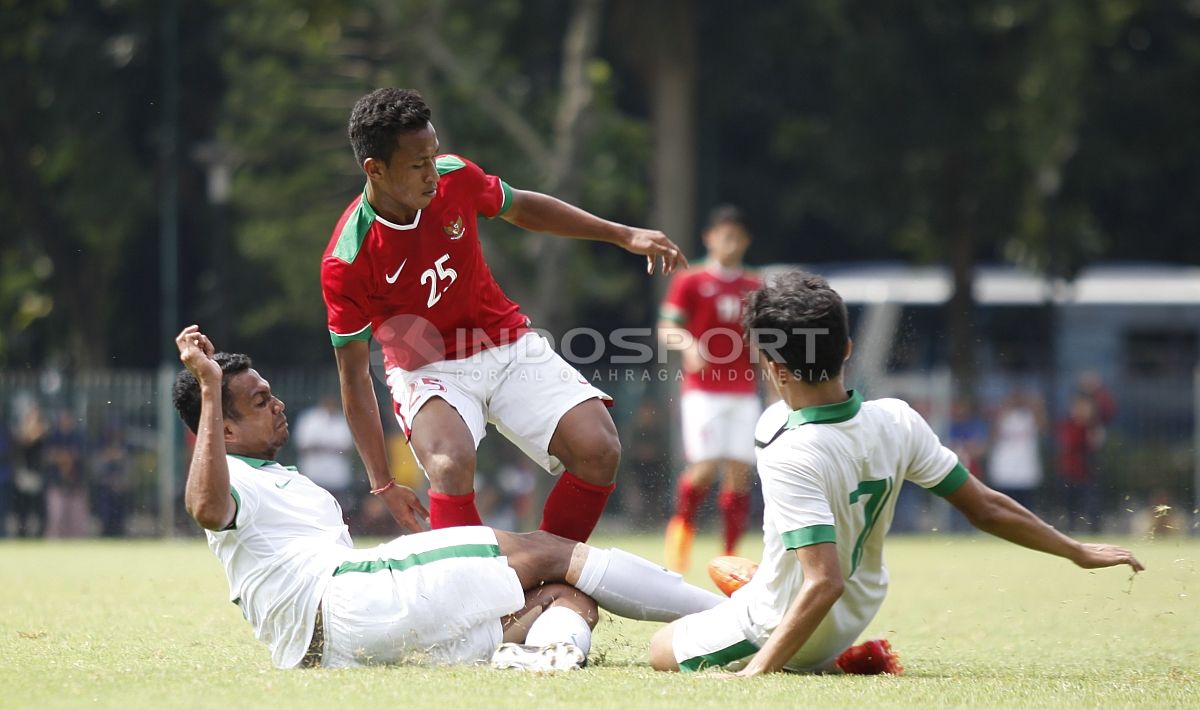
(279, 554)
(832, 474)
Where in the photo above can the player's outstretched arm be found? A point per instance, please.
(538, 212)
(206, 493)
(362, 414)
(995, 513)
(823, 585)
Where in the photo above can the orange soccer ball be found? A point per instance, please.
(730, 573)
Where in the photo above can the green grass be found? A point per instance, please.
(978, 623)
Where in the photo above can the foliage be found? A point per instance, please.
(956, 132)
(1045, 134)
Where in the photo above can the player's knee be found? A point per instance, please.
(539, 557)
(599, 458)
(567, 596)
(450, 470)
(702, 473)
(662, 652)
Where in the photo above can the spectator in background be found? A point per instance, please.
(1015, 463)
(1092, 386)
(506, 501)
(29, 481)
(66, 485)
(968, 438)
(112, 481)
(324, 440)
(1080, 436)
(6, 471)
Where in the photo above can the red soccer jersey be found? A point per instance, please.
(423, 289)
(708, 303)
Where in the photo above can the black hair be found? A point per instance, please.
(380, 117)
(186, 392)
(726, 214)
(798, 320)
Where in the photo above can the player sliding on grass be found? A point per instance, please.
(404, 265)
(831, 466)
(437, 597)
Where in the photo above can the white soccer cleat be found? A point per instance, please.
(560, 656)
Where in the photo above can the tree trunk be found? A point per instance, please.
(555, 299)
(673, 97)
(78, 293)
(959, 230)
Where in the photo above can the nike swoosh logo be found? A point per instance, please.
(285, 484)
(392, 278)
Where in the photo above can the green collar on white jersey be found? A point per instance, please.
(826, 413)
(259, 463)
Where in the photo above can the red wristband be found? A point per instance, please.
(384, 488)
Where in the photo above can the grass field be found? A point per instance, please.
(977, 622)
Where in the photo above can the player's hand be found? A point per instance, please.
(196, 352)
(692, 359)
(654, 245)
(1095, 556)
(406, 507)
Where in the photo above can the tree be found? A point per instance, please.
(934, 129)
(77, 148)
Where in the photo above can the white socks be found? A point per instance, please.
(635, 588)
(558, 623)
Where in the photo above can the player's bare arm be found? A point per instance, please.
(997, 514)
(206, 492)
(822, 587)
(362, 414)
(538, 212)
(673, 336)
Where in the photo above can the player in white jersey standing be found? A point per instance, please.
(438, 597)
(831, 465)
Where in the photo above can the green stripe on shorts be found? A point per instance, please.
(420, 558)
(741, 649)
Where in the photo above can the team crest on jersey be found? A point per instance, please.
(454, 229)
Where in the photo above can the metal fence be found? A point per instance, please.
(1151, 458)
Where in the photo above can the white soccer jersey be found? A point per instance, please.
(832, 474)
(287, 538)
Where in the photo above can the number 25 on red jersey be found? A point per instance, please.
(434, 276)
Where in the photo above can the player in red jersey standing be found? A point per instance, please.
(404, 266)
(702, 315)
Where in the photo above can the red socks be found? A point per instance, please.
(735, 507)
(573, 507)
(688, 500)
(447, 511)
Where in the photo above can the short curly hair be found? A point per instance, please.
(798, 320)
(380, 117)
(186, 392)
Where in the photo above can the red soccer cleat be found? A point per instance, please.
(870, 658)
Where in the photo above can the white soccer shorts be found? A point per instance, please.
(719, 426)
(524, 388)
(432, 598)
(727, 635)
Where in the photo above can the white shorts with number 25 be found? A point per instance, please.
(524, 388)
